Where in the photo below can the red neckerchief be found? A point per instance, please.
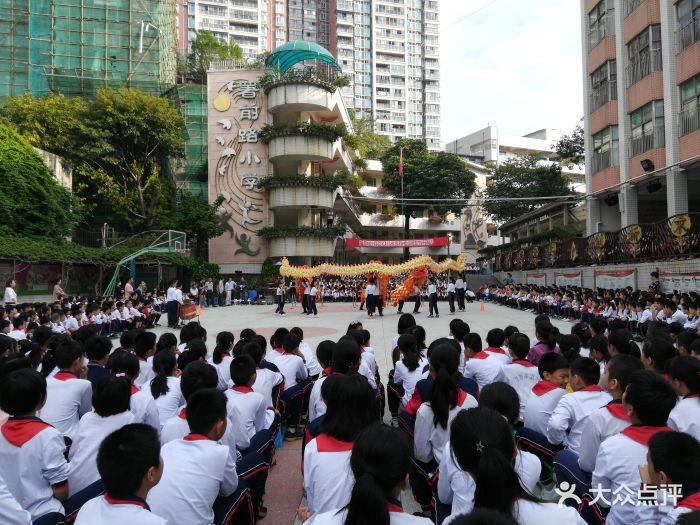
(461, 397)
(691, 502)
(196, 437)
(182, 414)
(591, 388)
(481, 355)
(327, 371)
(666, 377)
(225, 355)
(617, 410)
(523, 362)
(641, 433)
(279, 350)
(495, 350)
(140, 358)
(18, 430)
(691, 396)
(326, 443)
(394, 505)
(126, 500)
(65, 376)
(542, 387)
(242, 389)
(134, 390)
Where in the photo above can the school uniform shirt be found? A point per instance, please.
(396, 517)
(457, 487)
(169, 403)
(196, 471)
(18, 335)
(223, 371)
(177, 427)
(328, 479)
(677, 317)
(522, 375)
(692, 323)
(10, 511)
(432, 289)
(67, 399)
(83, 451)
(404, 377)
(542, 401)
(429, 439)
(312, 364)
(368, 367)
(246, 410)
(567, 421)
(146, 372)
(10, 296)
(317, 406)
(605, 422)
(265, 382)
(685, 416)
(485, 366)
(291, 366)
(143, 407)
(668, 514)
(616, 469)
(32, 461)
(107, 510)
(450, 288)
(535, 513)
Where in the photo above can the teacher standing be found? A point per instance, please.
(172, 304)
(10, 294)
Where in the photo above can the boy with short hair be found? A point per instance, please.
(18, 332)
(553, 370)
(245, 407)
(521, 374)
(32, 459)
(144, 348)
(197, 469)
(97, 350)
(130, 466)
(484, 366)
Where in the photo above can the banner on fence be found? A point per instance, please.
(681, 281)
(538, 279)
(568, 278)
(432, 242)
(615, 279)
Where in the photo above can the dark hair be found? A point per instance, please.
(473, 341)
(111, 396)
(345, 354)
(587, 369)
(541, 317)
(409, 348)
(366, 336)
(405, 321)
(570, 347)
(660, 351)
(324, 352)
(97, 347)
(144, 342)
(678, 455)
(551, 362)
(298, 332)
(126, 455)
(186, 358)
(483, 517)
(380, 460)
(198, 347)
(204, 409)
(598, 326)
(357, 336)
(545, 333)
(444, 361)
(687, 370)
(651, 397)
(509, 331)
(224, 341)
(252, 350)
(277, 337)
(583, 332)
(621, 367)
(495, 338)
(290, 342)
(197, 376)
(686, 339)
(599, 343)
(459, 329)
(67, 353)
(126, 340)
(166, 341)
(260, 340)
(163, 365)
(519, 344)
(191, 330)
(418, 332)
(355, 326)
(22, 391)
(40, 339)
(350, 406)
(242, 369)
(620, 339)
(502, 398)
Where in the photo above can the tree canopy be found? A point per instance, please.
(198, 219)
(523, 177)
(205, 48)
(32, 201)
(571, 148)
(370, 144)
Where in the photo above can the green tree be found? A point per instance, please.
(370, 144)
(426, 176)
(524, 177)
(205, 48)
(571, 148)
(198, 219)
(31, 200)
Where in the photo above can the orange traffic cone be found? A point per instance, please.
(482, 307)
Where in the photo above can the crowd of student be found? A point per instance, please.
(162, 430)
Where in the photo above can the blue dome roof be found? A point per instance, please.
(291, 53)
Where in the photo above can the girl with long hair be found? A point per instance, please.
(165, 386)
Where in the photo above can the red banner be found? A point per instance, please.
(433, 242)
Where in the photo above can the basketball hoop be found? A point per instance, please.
(184, 251)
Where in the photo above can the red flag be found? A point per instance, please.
(401, 163)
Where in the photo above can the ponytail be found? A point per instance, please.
(163, 365)
(545, 333)
(224, 342)
(367, 503)
(444, 362)
(408, 346)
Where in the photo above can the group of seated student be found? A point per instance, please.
(562, 429)
(108, 316)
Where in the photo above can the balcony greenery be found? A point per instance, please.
(309, 129)
(329, 182)
(558, 233)
(278, 232)
(309, 75)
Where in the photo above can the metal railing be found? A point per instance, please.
(689, 119)
(647, 141)
(645, 64)
(603, 94)
(605, 159)
(600, 31)
(687, 35)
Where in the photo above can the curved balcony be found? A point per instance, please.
(300, 97)
(301, 196)
(302, 247)
(301, 147)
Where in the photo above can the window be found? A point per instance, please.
(631, 5)
(690, 104)
(688, 12)
(371, 182)
(604, 84)
(606, 149)
(601, 22)
(647, 128)
(644, 54)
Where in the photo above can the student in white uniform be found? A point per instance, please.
(221, 359)
(309, 357)
(408, 370)
(648, 401)
(69, 396)
(145, 348)
(165, 386)
(486, 365)
(10, 294)
(19, 326)
(32, 460)
(486, 451)
(246, 408)
(266, 381)
(328, 479)
(197, 469)
(11, 513)
(141, 404)
(345, 359)
(566, 422)
(545, 395)
(520, 373)
(130, 465)
(685, 378)
(380, 460)
(111, 412)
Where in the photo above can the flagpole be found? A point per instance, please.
(406, 251)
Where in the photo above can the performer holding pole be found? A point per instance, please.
(280, 297)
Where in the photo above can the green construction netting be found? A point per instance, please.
(288, 55)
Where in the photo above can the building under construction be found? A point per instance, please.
(75, 47)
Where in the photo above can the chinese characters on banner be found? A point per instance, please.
(615, 279)
(538, 279)
(568, 278)
(237, 161)
(683, 282)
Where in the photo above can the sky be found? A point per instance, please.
(511, 63)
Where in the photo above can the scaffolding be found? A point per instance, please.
(75, 47)
(192, 103)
